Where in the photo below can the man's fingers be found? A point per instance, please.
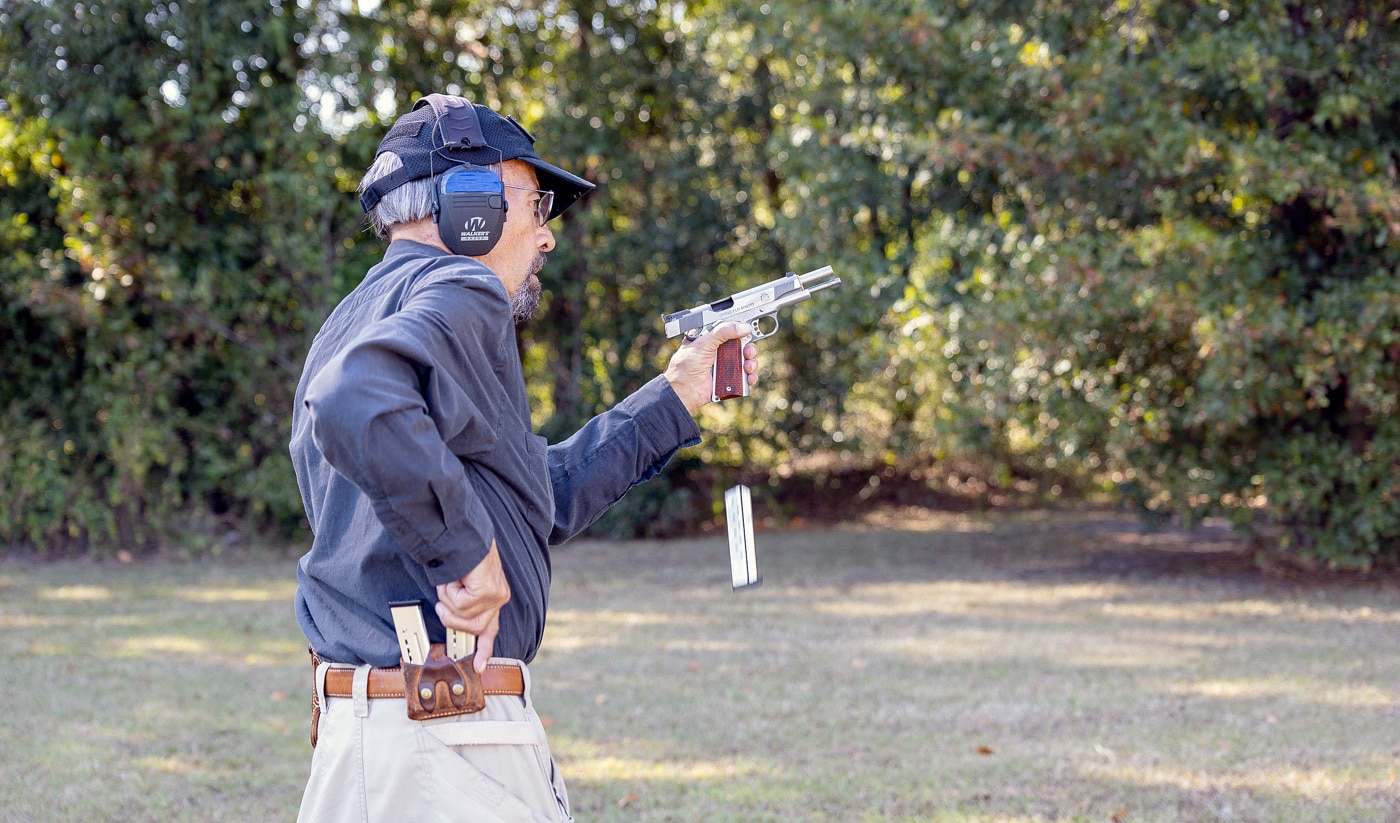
(691, 368)
(457, 609)
(449, 592)
(473, 620)
(457, 600)
(483, 627)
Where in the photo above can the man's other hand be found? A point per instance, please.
(473, 604)
(689, 369)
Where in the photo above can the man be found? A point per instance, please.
(422, 480)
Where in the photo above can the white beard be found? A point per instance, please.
(525, 301)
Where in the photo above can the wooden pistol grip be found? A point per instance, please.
(730, 380)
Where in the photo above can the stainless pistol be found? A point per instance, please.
(753, 306)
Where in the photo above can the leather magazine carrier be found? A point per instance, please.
(441, 686)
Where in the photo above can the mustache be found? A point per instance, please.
(537, 264)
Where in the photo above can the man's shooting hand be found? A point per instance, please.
(473, 604)
(689, 369)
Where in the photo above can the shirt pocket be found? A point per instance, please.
(474, 414)
(541, 500)
(477, 438)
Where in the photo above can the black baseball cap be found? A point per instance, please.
(443, 130)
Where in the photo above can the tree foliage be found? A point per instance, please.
(173, 233)
(1149, 244)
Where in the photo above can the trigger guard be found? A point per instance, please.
(757, 325)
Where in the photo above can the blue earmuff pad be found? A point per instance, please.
(483, 180)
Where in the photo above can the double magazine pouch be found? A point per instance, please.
(441, 686)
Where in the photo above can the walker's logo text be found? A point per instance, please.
(474, 229)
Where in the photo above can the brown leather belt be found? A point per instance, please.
(499, 678)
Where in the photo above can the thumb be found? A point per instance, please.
(723, 334)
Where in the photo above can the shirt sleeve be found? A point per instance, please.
(615, 451)
(384, 411)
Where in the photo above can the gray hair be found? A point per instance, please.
(409, 203)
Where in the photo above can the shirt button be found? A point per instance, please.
(434, 563)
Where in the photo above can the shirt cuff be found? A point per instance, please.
(459, 549)
(662, 418)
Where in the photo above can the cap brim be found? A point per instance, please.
(567, 188)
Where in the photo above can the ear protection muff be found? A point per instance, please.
(469, 201)
(469, 208)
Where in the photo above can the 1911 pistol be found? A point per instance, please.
(753, 307)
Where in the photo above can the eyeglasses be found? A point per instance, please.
(543, 207)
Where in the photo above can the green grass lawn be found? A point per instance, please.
(924, 667)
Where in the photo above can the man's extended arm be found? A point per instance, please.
(633, 441)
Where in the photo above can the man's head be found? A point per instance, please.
(440, 133)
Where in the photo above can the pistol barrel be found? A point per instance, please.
(815, 275)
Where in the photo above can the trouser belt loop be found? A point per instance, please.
(525, 678)
(360, 690)
(321, 668)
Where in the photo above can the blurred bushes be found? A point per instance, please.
(1144, 247)
(176, 235)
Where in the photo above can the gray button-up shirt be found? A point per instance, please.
(412, 447)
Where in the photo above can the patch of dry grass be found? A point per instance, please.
(150, 692)
(938, 667)
(921, 667)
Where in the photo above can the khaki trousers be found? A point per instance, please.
(372, 763)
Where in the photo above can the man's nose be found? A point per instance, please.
(546, 239)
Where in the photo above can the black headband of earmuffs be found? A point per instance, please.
(469, 201)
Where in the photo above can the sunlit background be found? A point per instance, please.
(1143, 251)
